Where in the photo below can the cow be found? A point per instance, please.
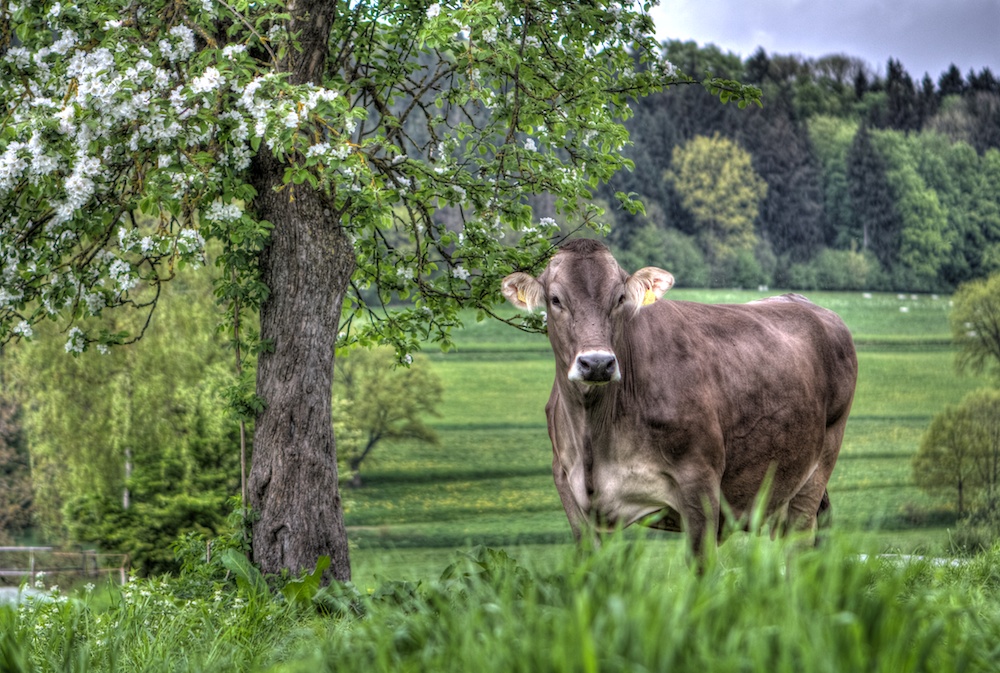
(661, 411)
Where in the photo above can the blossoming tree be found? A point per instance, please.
(316, 141)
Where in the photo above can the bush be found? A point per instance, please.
(667, 249)
(837, 270)
(741, 270)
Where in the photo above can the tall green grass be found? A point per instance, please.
(632, 605)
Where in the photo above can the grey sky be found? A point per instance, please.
(925, 35)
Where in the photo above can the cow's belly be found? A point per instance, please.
(625, 494)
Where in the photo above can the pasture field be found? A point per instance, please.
(489, 481)
(425, 597)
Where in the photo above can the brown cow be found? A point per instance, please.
(661, 408)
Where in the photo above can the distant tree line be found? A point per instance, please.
(855, 180)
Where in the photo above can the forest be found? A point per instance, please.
(845, 178)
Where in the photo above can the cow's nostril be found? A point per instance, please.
(595, 367)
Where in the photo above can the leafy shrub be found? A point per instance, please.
(667, 249)
(837, 270)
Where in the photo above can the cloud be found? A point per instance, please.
(926, 35)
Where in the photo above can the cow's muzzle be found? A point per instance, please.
(595, 368)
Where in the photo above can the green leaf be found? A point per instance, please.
(303, 589)
(248, 577)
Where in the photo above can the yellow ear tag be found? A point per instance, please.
(520, 296)
(648, 298)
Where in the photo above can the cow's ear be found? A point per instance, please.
(647, 285)
(523, 291)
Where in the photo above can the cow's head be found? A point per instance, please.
(589, 299)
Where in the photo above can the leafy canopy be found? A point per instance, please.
(960, 453)
(975, 325)
(719, 187)
(129, 127)
(381, 401)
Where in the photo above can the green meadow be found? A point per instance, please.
(462, 557)
(489, 480)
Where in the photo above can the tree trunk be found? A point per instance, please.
(293, 489)
(307, 266)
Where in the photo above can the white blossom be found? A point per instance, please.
(231, 50)
(180, 50)
(76, 341)
(120, 272)
(210, 80)
(490, 35)
(189, 240)
(12, 166)
(95, 302)
(24, 329)
(220, 212)
(318, 150)
(460, 273)
(529, 145)
(433, 10)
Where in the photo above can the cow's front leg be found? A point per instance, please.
(700, 511)
(578, 521)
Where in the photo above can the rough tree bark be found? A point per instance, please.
(307, 266)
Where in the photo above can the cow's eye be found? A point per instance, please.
(621, 300)
(556, 302)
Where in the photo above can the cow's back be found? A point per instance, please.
(769, 378)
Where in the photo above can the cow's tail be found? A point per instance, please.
(824, 515)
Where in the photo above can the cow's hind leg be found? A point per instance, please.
(807, 508)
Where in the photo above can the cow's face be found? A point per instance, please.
(589, 299)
